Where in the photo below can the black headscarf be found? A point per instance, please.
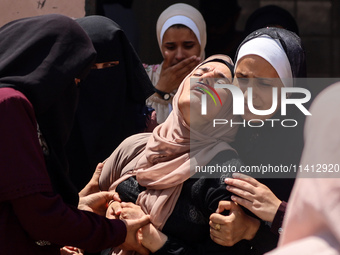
(271, 15)
(41, 56)
(112, 100)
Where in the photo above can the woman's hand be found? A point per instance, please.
(97, 202)
(129, 212)
(254, 196)
(69, 250)
(171, 76)
(114, 210)
(133, 238)
(229, 230)
(148, 236)
(93, 185)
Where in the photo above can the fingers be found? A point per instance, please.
(93, 184)
(97, 173)
(246, 178)
(129, 205)
(223, 205)
(142, 221)
(241, 201)
(240, 187)
(114, 210)
(105, 195)
(167, 60)
(99, 169)
(216, 218)
(116, 197)
(184, 67)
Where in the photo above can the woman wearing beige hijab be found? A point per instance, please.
(311, 224)
(181, 35)
(158, 170)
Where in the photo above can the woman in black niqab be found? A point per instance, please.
(112, 99)
(40, 57)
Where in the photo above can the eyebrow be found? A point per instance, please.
(206, 69)
(265, 80)
(262, 79)
(186, 42)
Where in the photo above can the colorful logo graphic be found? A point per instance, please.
(208, 92)
(204, 96)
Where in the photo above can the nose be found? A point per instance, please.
(254, 91)
(180, 54)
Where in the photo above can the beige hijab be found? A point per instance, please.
(311, 224)
(189, 12)
(163, 160)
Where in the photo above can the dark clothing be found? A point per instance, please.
(187, 227)
(41, 56)
(39, 59)
(99, 5)
(272, 146)
(111, 100)
(29, 210)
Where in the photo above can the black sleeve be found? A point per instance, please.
(174, 246)
(264, 241)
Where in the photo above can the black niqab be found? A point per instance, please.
(112, 100)
(41, 56)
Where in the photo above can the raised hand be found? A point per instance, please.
(254, 196)
(172, 75)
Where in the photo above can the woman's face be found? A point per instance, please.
(190, 100)
(254, 71)
(179, 43)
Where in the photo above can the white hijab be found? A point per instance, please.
(272, 51)
(183, 14)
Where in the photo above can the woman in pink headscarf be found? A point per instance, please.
(158, 171)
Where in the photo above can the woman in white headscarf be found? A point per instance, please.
(181, 35)
(268, 58)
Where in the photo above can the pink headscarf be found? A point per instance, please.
(163, 160)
